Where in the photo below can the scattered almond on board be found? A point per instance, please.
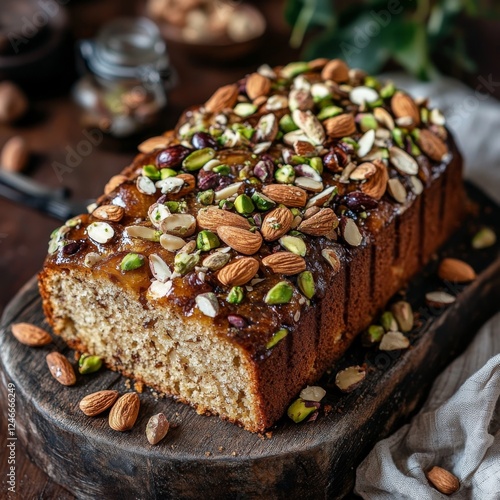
(30, 335)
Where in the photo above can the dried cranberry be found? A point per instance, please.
(172, 157)
(202, 140)
(359, 202)
(237, 321)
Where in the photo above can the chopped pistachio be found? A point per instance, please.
(244, 204)
(245, 109)
(389, 321)
(89, 364)
(285, 174)
(262, 202)
(226, 204)
(281, 293)
(207, 240)
(131, 261)
(287, 124)
(167, 172)
(279, 335)
(216, 261)
(387, 91)
(222, 169)
(403, 314)
(293, 244)
(236, 295)
(206, 197)
(368, 122)
(298, 411)
(151, 171)
(293, 69)
(176, 206)
(329, 112)
(372, 335)
(398, 136)
(198, 159)
(317, 163)
(305, 281)
(424, 115)
(371, 81)
(183, 262)
(484, 238)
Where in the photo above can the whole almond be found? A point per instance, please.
(13, 102)
(432, 145)
(456, 270)
(445, 482)
(112, 213)
(286, 263)
(60, 368)
(403, 106)
(98, 402)
(149, 145)
(124, 412)
(276, 223)
(157, 428)
(257, 85)
(238, 272)
(222, 98)
(241, 240)
(336, 70)
(291, 196)
(340, 126)
(15, 155)
(320, 223)
(31, 335)
(114, 182)
(212, 218)
(376, 185)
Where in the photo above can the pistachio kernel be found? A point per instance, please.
(281, 293)
(131, 261)
(197, 159)
(183, 262)
(372, 335)
(89, 364)
(403, 314)
(389, 321)
(236, 295)
(206, 197)
(305, 281)
(329, 112)
(287, 124)
(151, 171)
(262, 202)
(244, 204)
(299, 410)
(293, 244)
(279, 335)
(317, 163)
(167, 172)
(285, 174)
(222, 169)
(206, 240)
(387, 91)
(484, 238)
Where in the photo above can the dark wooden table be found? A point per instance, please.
(53, 126)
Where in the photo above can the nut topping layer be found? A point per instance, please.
(257, 193)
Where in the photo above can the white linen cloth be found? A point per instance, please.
(458, 427)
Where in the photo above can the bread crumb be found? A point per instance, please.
(221, 448)
(207, 453)
(139, 387)
(269, 434)
(233, 453)
(128, 384)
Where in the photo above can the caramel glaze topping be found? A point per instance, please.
(311, 133)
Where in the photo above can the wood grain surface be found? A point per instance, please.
(203, 455)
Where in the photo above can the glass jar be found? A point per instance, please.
(127, 74)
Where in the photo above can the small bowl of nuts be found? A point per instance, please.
(216, 29)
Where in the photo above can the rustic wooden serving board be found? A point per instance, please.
(204, 457)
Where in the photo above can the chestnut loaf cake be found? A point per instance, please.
(239, 255)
